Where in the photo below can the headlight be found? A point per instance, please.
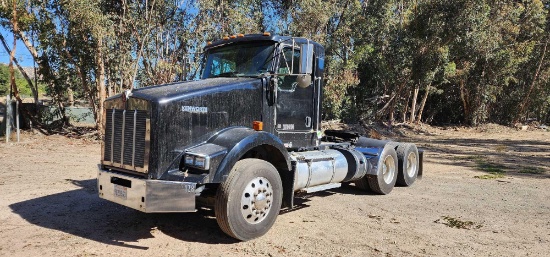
(196, 161)
(189, 160)
(204, 157)
(200, 162)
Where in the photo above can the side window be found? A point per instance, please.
(288, 64)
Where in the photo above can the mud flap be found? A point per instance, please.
(420, 163)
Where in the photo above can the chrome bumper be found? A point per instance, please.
(146, 195)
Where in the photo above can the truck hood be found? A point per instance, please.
(182, 90)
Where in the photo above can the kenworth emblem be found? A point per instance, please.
(194, 109)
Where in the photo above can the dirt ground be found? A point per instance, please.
(485, 192)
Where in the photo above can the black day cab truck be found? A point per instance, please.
(245, 139)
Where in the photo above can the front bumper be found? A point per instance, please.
(146, 195)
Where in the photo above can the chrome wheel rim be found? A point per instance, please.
(411, 164)
(256, 200)
(388, 169)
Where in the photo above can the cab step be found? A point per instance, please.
(308, 190)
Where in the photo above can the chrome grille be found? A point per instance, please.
(126, 140)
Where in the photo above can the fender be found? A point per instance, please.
(238, 141)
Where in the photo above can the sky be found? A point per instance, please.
(21, 53)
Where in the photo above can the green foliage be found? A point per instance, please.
(22, 84)
(494, 170)
(532, 170)
(458, 223)
(436, 61)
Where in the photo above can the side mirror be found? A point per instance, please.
(306, 59)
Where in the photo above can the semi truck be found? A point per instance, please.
(245, 139)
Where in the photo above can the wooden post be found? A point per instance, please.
(17, 119)
(8, 120)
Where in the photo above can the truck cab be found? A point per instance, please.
(245, 138)
(290, 108)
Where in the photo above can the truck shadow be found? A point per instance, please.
(300, 201)
(82, 213)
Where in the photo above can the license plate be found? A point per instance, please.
(120, 191)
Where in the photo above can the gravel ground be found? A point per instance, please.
(484, 193)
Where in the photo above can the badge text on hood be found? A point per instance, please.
(194, 109)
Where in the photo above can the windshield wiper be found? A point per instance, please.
(233, 74)
(226, 74)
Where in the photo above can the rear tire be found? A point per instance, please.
(407, 154)
(362, 184)
(248, 202)
(386, 171)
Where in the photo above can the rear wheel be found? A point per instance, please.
(363, 184)
(248, 202)
(407, 154)
(386, 173)
(386, 177)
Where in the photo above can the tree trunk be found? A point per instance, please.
(413, 103)
(34, 88)
(70, 97)
(380, 112)
(527, 99)
(13, 86)
(28, 44)
(406, 107)
(83, 78)
(89, 93)
(100, 83)
(423, 104)
(465, 102)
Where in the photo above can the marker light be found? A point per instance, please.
(258, 125)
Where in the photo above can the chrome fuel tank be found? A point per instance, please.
(315, 168)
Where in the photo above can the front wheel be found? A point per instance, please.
(248, 202)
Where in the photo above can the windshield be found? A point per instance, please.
(240, 60)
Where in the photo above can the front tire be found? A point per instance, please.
(248, 202)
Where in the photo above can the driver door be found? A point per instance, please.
(294, 108)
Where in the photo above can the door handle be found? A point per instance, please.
(272, 92)
(308, 122)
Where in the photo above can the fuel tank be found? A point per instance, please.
(315, 168)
